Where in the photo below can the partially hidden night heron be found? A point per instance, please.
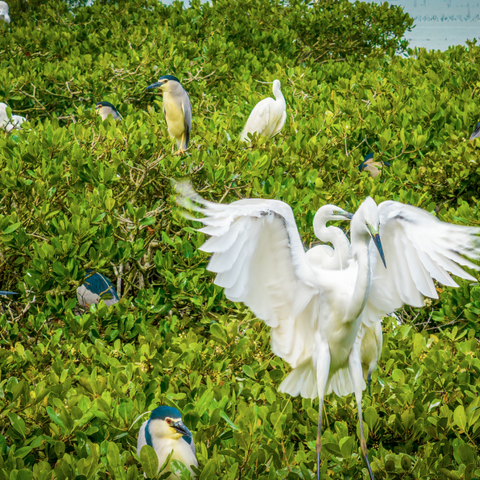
(177, 110)
(319, 317)
(476, 132)
(4, 12)
(96, 287)
(166, 433)
(268, 116)
(8, 124)
(105, 109)
(373, 168)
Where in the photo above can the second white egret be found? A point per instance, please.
(268, 117)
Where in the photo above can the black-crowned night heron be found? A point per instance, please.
(8, 124)
(373, 168)
(105, 109)
(96, 287)
(476, 132)
(177, 110)
(165, 432)
(4, 12)
(268, 117)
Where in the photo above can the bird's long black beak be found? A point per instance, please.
(154, 85)
(181, 428)
(378, 244)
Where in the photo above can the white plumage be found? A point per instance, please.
(4, 12)
(337, 258)
(8, 124)
(318, 317)
(268, 117)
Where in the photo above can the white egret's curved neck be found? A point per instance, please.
(276, 91)
(334, 236)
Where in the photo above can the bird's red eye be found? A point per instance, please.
(168, 420)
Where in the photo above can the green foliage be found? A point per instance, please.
(78, 194)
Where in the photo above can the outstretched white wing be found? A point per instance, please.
(418, 249)
(259, 260)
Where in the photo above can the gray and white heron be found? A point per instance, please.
(318, 317)
(177, 110)
(9, 124)
(268, 116)
(96, 287)
(373, 168)
(4, 12)
(476, 132)
(104, 109)
(165, 432)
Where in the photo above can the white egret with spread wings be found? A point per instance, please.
(318, 316)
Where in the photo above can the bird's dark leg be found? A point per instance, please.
(322, 365)
(355, 370)
(319, 437)
(369, 381)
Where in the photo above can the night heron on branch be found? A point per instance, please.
(177, 110)
(4, 12)
(319, 317)
(373, 168)
(268, 117)
(105, 109)
(476, 132)
(166, 433)
(96, 287)
(8, 124)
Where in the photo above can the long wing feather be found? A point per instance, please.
(418, 249)
(259, 260)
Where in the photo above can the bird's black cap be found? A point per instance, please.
(106, 104)
(169, 77)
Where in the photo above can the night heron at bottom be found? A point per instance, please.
(96, 287)
(177, 110)
(166, 433)
(4, 12)
(8, 124)
(319, 317)
(105, 109)
(268, 116)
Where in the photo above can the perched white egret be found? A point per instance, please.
(8, 124)
(4, 12)
(318, 317)
(268, 117)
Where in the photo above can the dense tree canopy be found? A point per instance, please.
(79, 194)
